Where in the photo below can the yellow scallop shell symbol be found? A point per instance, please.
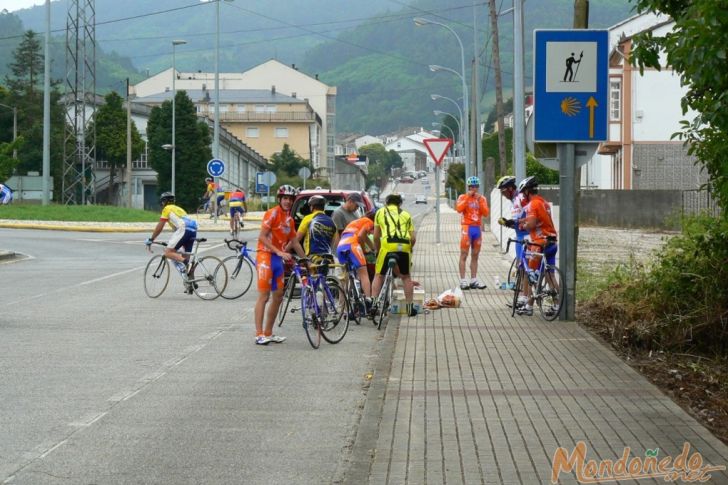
(570, 106)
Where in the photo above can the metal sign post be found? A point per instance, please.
(571, 74)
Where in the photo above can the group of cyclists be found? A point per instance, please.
(348, 236)
(236, 202)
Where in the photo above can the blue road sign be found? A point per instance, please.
(263, 181)
(571, 74)
(216, 167)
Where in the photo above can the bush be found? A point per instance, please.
(680, 301)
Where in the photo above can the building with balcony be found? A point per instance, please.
(304, 94)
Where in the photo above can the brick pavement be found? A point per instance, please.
(472, 395)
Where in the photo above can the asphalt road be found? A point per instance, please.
(100, 384)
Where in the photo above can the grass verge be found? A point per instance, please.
(76, 213)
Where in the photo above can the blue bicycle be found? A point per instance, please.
(324, 304)
(239, 269)
(545, 285)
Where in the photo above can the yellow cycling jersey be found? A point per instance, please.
(397, 227)
(174, 215)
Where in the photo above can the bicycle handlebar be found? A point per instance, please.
(235, 242)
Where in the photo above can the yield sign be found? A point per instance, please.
(437, 147)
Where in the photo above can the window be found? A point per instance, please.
(240, 108)
(265, 108)
(223, 108)
(615, 100)
(252, 132)
(281, 132)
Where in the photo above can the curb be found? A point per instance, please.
(5, 255)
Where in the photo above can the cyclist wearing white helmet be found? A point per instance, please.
(473, 207)
(277, 233)
(508, 189)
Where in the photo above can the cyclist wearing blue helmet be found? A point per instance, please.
(473, 207)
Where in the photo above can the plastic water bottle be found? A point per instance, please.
(497, 282)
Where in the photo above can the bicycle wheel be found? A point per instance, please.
(310, 318)
(512, 273)
(239, 276)
(385, 300)
(208, 283)
(287, 297)
(156, 276)
(355, 311)
(335, 312)
(550, 294)
(520, 274)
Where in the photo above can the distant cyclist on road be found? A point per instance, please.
(238, 207)
(6, 195)
(394, 237)
(541, 229)
(473, 207)
(185, 231)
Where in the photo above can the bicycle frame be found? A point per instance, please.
(543, 274)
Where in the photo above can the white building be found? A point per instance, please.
(413, 151)
(269, 75)
(644, 112)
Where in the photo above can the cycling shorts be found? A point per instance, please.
(403, 262)
(182, 238)
(269, 267)
(236, 210)
(355, 255)
(470, 236)
(550, 252)
(6, 197)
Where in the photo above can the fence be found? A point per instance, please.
(698, 201)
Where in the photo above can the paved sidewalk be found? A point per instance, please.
(472, 395)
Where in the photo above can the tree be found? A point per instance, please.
(288, 162)
(192, 138)
(7, 162)
(695, 49)
(456, 178)
(110, 126)
(381, 162)
(27, 63)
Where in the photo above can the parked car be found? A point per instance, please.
(334, 199)
(420, 199)
(406, 179)
(421, 174)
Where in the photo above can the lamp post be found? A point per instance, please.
(15, 126)
(435, 97)
(445, 113)
(442, 125)
(216, 124)
(419, 21)
(175, 43)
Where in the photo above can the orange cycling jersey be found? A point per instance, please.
(540, 210)
(473, 209)
(281, 226)
(354, 228)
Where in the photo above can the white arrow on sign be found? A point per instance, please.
(437, 147)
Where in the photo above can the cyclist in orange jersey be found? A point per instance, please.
(473, 207)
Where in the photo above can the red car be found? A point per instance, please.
(334, 199)
(406, 180)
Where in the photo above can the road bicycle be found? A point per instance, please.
(291, 291)
(200, 278)
(237, 220)
(383, 301)
(239, 269)
(354, 291)
(324, 304)
(546, 283)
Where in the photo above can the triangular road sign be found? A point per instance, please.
(437, 147)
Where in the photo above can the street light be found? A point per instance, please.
(419, 21)
(445, 113)
(435, 97)
(452, 135)
(15, 126)
(216, 125)
(172, 147)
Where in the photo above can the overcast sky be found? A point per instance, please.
(12, 5)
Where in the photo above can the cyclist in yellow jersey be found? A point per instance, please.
(394, 237)
(185, 231)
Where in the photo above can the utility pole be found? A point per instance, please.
(46, 181)
(476, 101)
(498, 89)
(128, 146)
(519, 114)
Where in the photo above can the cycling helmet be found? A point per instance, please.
(166, 198)
(287, 190)
(473, 181)
(317, 201)
(506, 181)
(208, 179)
(393, 198)
(527, 183)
